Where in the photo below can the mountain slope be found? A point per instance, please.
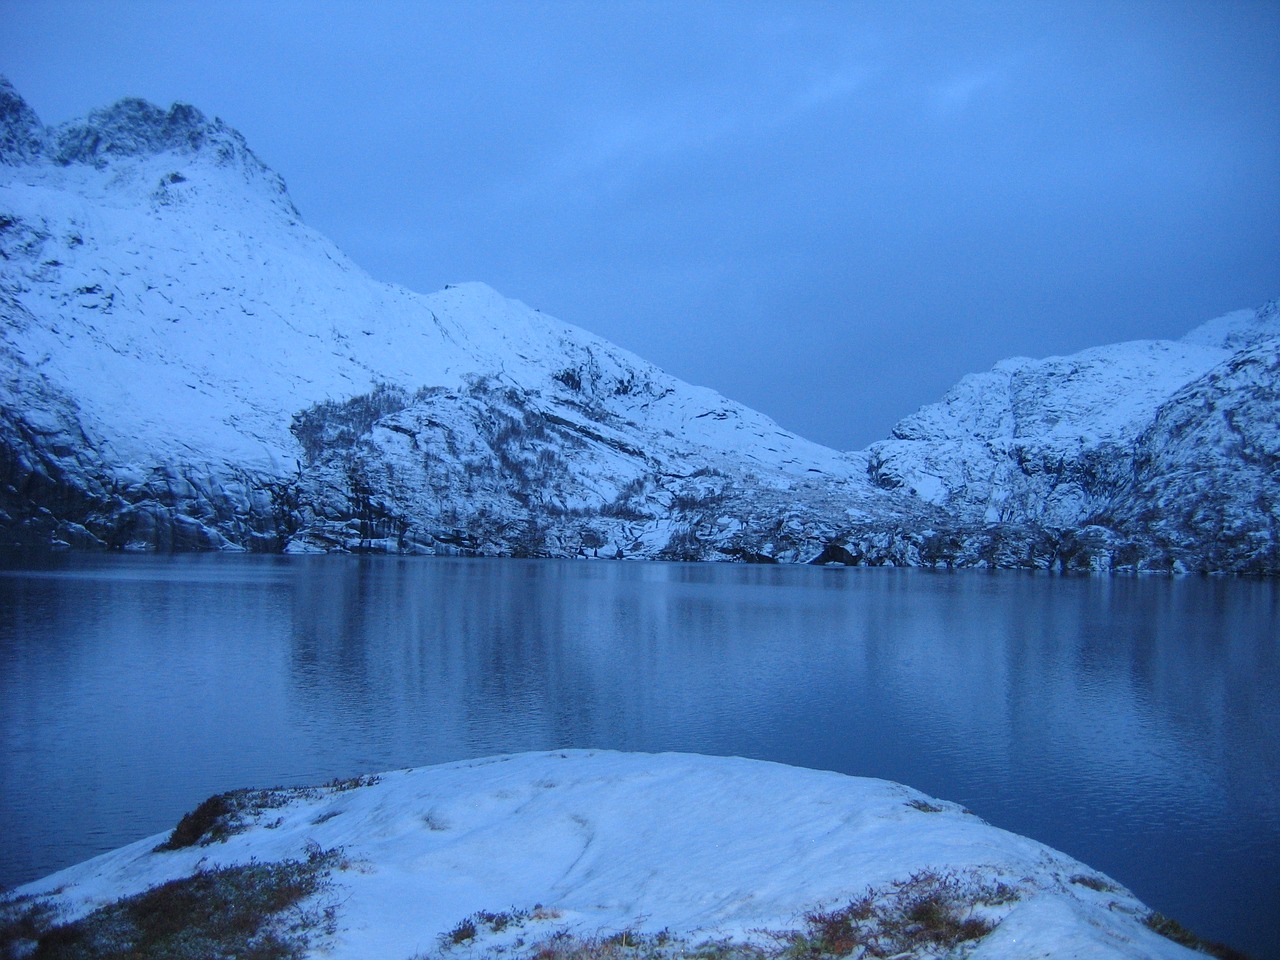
(1132, 442)
(186, 365)
(174, 334)
(1207, 470)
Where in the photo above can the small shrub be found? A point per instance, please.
(207, 823)
(1173, 930)
(469, 928)
(351, 783)
(1094, 883)
(924, 806)
(464, 932)
(497, 922)
(225, 814)
(838, 932)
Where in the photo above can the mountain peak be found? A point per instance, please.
(22, 135)
(133, 127)
(1240, 329)
(128, 128)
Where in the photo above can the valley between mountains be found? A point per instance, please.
(188, 366)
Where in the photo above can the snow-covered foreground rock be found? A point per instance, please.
(527, 848)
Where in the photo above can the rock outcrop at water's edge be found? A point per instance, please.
(640, 856)
(187, 366)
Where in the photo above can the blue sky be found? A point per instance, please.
(828, 211)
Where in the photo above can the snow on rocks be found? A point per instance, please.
(588, 844)
(184, 365)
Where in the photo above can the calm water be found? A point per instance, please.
(1132, 723)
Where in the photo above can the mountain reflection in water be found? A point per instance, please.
(1132, 723)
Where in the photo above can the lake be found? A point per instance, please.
(1133, 723)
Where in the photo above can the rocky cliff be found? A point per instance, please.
(1159, 454)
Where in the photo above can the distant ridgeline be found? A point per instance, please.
(188, 366)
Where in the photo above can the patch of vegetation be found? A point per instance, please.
(622, 510)
(497, 922)
(924, 806)
(571, 377)
(225, 814)
(253, 911)
(336, 425)
(337, 785)
(464, 932)
(726, 949)
(22, 921)
(208, 823)
(683, 544)
(696, 500)
(624, 945)
(433, 821)
(1101, 884)
(469, 928)
(928, 911)
(930, 914)
(1173, 930)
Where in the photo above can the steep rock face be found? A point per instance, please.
(21, 132)
(1206, 477)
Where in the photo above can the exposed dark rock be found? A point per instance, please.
(22, 135)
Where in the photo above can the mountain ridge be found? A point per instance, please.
(188, 366)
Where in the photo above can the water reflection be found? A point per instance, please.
(1132, 723)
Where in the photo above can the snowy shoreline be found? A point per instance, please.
(587, 844)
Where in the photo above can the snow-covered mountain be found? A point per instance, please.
(187, 365)
(1156, 452)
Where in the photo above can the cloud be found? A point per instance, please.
(615, 147)
(631, 140)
